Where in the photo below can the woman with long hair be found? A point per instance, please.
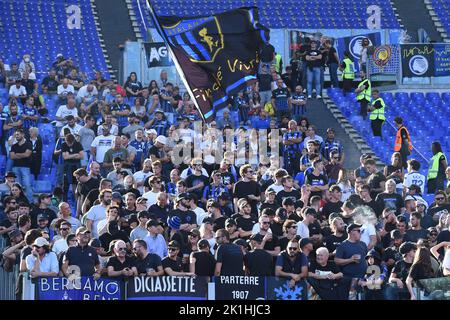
(18, 193)
(345, 184)
(420, 269)
(132, 86)
(153, 87)
(139, 110)
(206, 232)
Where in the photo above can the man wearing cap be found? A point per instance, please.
(159, 123)
(98, 212)
(441, 206)
(229, 256)
(361, 171)
(187, 217)
(258, 262)
(158, 150)
(309, 216)
(172, 264)
(44, 202)
(421, 207)
(350, 254)
(83, 256)
(140, 232)
(11, 254)
(42, 262)
(397, 281)
(156, 187)
(102, 144)
(5, 188)
(269, 202)
(155, 242)
(121, 110)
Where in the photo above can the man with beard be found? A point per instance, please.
(98, 212)
(338, 236)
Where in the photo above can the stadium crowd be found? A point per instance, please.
(122, 207)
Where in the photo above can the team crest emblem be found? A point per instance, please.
(201, 39)
(382, 55)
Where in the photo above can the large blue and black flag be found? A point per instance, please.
(216, 56)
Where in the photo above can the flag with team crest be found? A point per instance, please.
(217, 56)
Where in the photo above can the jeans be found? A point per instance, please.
(313, 75)
(333, 67)
(23, 177)
(304, 68)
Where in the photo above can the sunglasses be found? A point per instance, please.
(357, 230)
(193, 235)
(250, 171)
(173, 249)
(295, 227)
(293, 249)
(440, 199)
(265, 222)
(122, 249)
(64, 229)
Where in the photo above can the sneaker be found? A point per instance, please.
(319, 96)
(309, 97)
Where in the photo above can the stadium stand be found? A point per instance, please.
(442, 9)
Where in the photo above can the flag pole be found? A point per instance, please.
(174, 58)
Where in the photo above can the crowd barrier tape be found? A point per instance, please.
(190, 288)
(164, 288)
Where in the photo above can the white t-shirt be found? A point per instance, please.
(151, 198)
(114, 130)
(63, 111)
(15, 92)
(276, 187)
(367, 230)
(83, 92)
(316, 137)
(446, 261)
(96, 214)
(60, 246)
(65, 91)
(102, 144)
(75, 130)
(201, 214)
(141, 176)
(302, 230)
(415, 178)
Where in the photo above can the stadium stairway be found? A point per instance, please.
(440, 16)
(115, 27)
(414, 15)
(353, 138)
(320, 115)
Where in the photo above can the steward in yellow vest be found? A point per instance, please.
(436, 171)
(348, 72)
(364, 93)
(377, 116)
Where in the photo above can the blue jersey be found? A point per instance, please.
(122, 121)
(213, 192)
(141, 152)
(293, 148)
(166, 106)
(161, 127)
(29, 111)
(328, 146)
(11, 119)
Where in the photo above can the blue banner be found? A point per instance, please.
(280, 289)
(353, 45)
(442, 60)
(61, 288)
(240, 288)
(167, 288)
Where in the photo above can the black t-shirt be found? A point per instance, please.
(84, 257)
(154, 150)
(219, 223)
(246, 224)
(443, 236)
(313, 180)
(37, 211)
(331, 57)
(93, 195)
(330, 267)
(204, 263)
(375, 207)
(265, 82)
(374, 181)
(316, 63)
(293, 194)
(259, 262)
(277, 229)
(175, 265)
(401, 269)
(439, 210)
(106, 238)
(152, 260)
(274, 206)
(331, 242)
(185, 216)
(16, 148)
(119, 266)
(227, 178)
(331, 207)
(243, 189)
(272, 244)
(232, 259)
(418, 272)
(390, 201)
(267, 53)
(194, 180)
(415, 235)
(161, 213)
(314, 228)
(51, 84)
(84, 188)
(74, 149)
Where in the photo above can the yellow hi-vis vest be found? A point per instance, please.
(349, 71)
(367, 93)
(378, 113)
(433, 171)
(278, 63)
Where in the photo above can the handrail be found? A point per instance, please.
(420, 154)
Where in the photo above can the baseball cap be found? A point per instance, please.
(151, 131)
(304, 242)
(14, 233)
(243, 204)
(257, 237)
(422, 202)
(194, 232)
(82, 230)
(40, 242)
(396, 234)
(59, 55)
(10, 174)
(95, 243)
(373, 253)
(141, 200)
(152, 223)
(173, 244)
(212, 203)
(42, 216)
(161, 139)
(230, 221)
(184, 195)
(289, 202)
(270, 190)
(132, 218)
(408, 198)
(208, 220)
(224, 195)
(203, 244)
(44, 195)
(143, 214)
(159, 111)
(353, 226)
(407, 247)
(116, 195)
